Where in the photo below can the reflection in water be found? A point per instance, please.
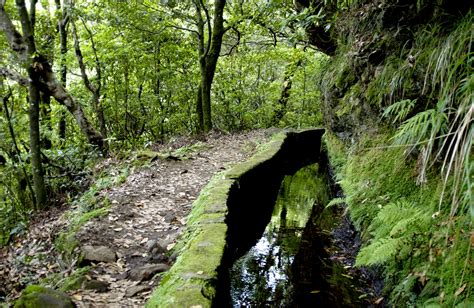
(261, 277)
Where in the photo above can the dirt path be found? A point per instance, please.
(147, 214)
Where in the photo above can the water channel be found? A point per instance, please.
(305, 255)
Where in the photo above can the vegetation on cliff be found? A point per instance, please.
(398, 98)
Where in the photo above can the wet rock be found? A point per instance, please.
(158, 258)
(98, 254)
(132, 291)
(97, 285)
(156, 247)
(37, 296)
(170, 217)
(147, 271)
(121, 276)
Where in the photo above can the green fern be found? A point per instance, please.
(336, 201)
(379, 251)
(399, 110)
(419, 128)
(392, 228)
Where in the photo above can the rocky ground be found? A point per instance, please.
(127, 247)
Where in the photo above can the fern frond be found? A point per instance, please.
(379, 251)
(393, 214)
(406, 225)
(399, 110)
(336, 201)
(415, 129)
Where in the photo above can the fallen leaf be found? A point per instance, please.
(315, 291)
(377, 302)
(118, 229)
(460, 290)
(441, 297)
(77, 297)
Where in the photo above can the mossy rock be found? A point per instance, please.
(39, 297)
(75, 280)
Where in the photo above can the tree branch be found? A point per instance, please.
(14, 38)
(26, 26)
(96, 57)
(80, 59)
(9, 74)
(182, 28)
(209, 29)
(236, 43)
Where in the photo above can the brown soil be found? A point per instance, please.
(152, 205)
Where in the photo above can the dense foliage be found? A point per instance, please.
(392, 81)
(401, 111)
(133, 67)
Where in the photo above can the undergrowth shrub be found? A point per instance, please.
(409, 187)
(425, 251)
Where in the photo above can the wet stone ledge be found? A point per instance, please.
(227, 218)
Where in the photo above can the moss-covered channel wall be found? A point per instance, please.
(229, 216)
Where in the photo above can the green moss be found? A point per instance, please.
(346, 77)
(75, 280)
(66, 241)
(265, 152)
(35, 296)
(190, 282)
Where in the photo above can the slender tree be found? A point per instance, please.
(34, 99)
(40, 72)
(285, 90)
(63, 22)
(209, 50)
(93, 88)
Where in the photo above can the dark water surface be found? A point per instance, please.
(297, 261)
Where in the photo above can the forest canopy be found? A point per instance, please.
(109, 75)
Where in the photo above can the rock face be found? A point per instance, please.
(38, 297)
(98, 254)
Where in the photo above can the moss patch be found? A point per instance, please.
(35, 296)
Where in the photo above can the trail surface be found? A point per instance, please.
(147, 214)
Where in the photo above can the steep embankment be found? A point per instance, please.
(398, 102)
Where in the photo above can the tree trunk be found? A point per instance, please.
(62, 24)
(34, 102)
(208, 55)
(35, 143)
(281, 107)
(199, 109)
(206, 84)
(24, 45)
(45, 111)
(99, 109)
(94, 89)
